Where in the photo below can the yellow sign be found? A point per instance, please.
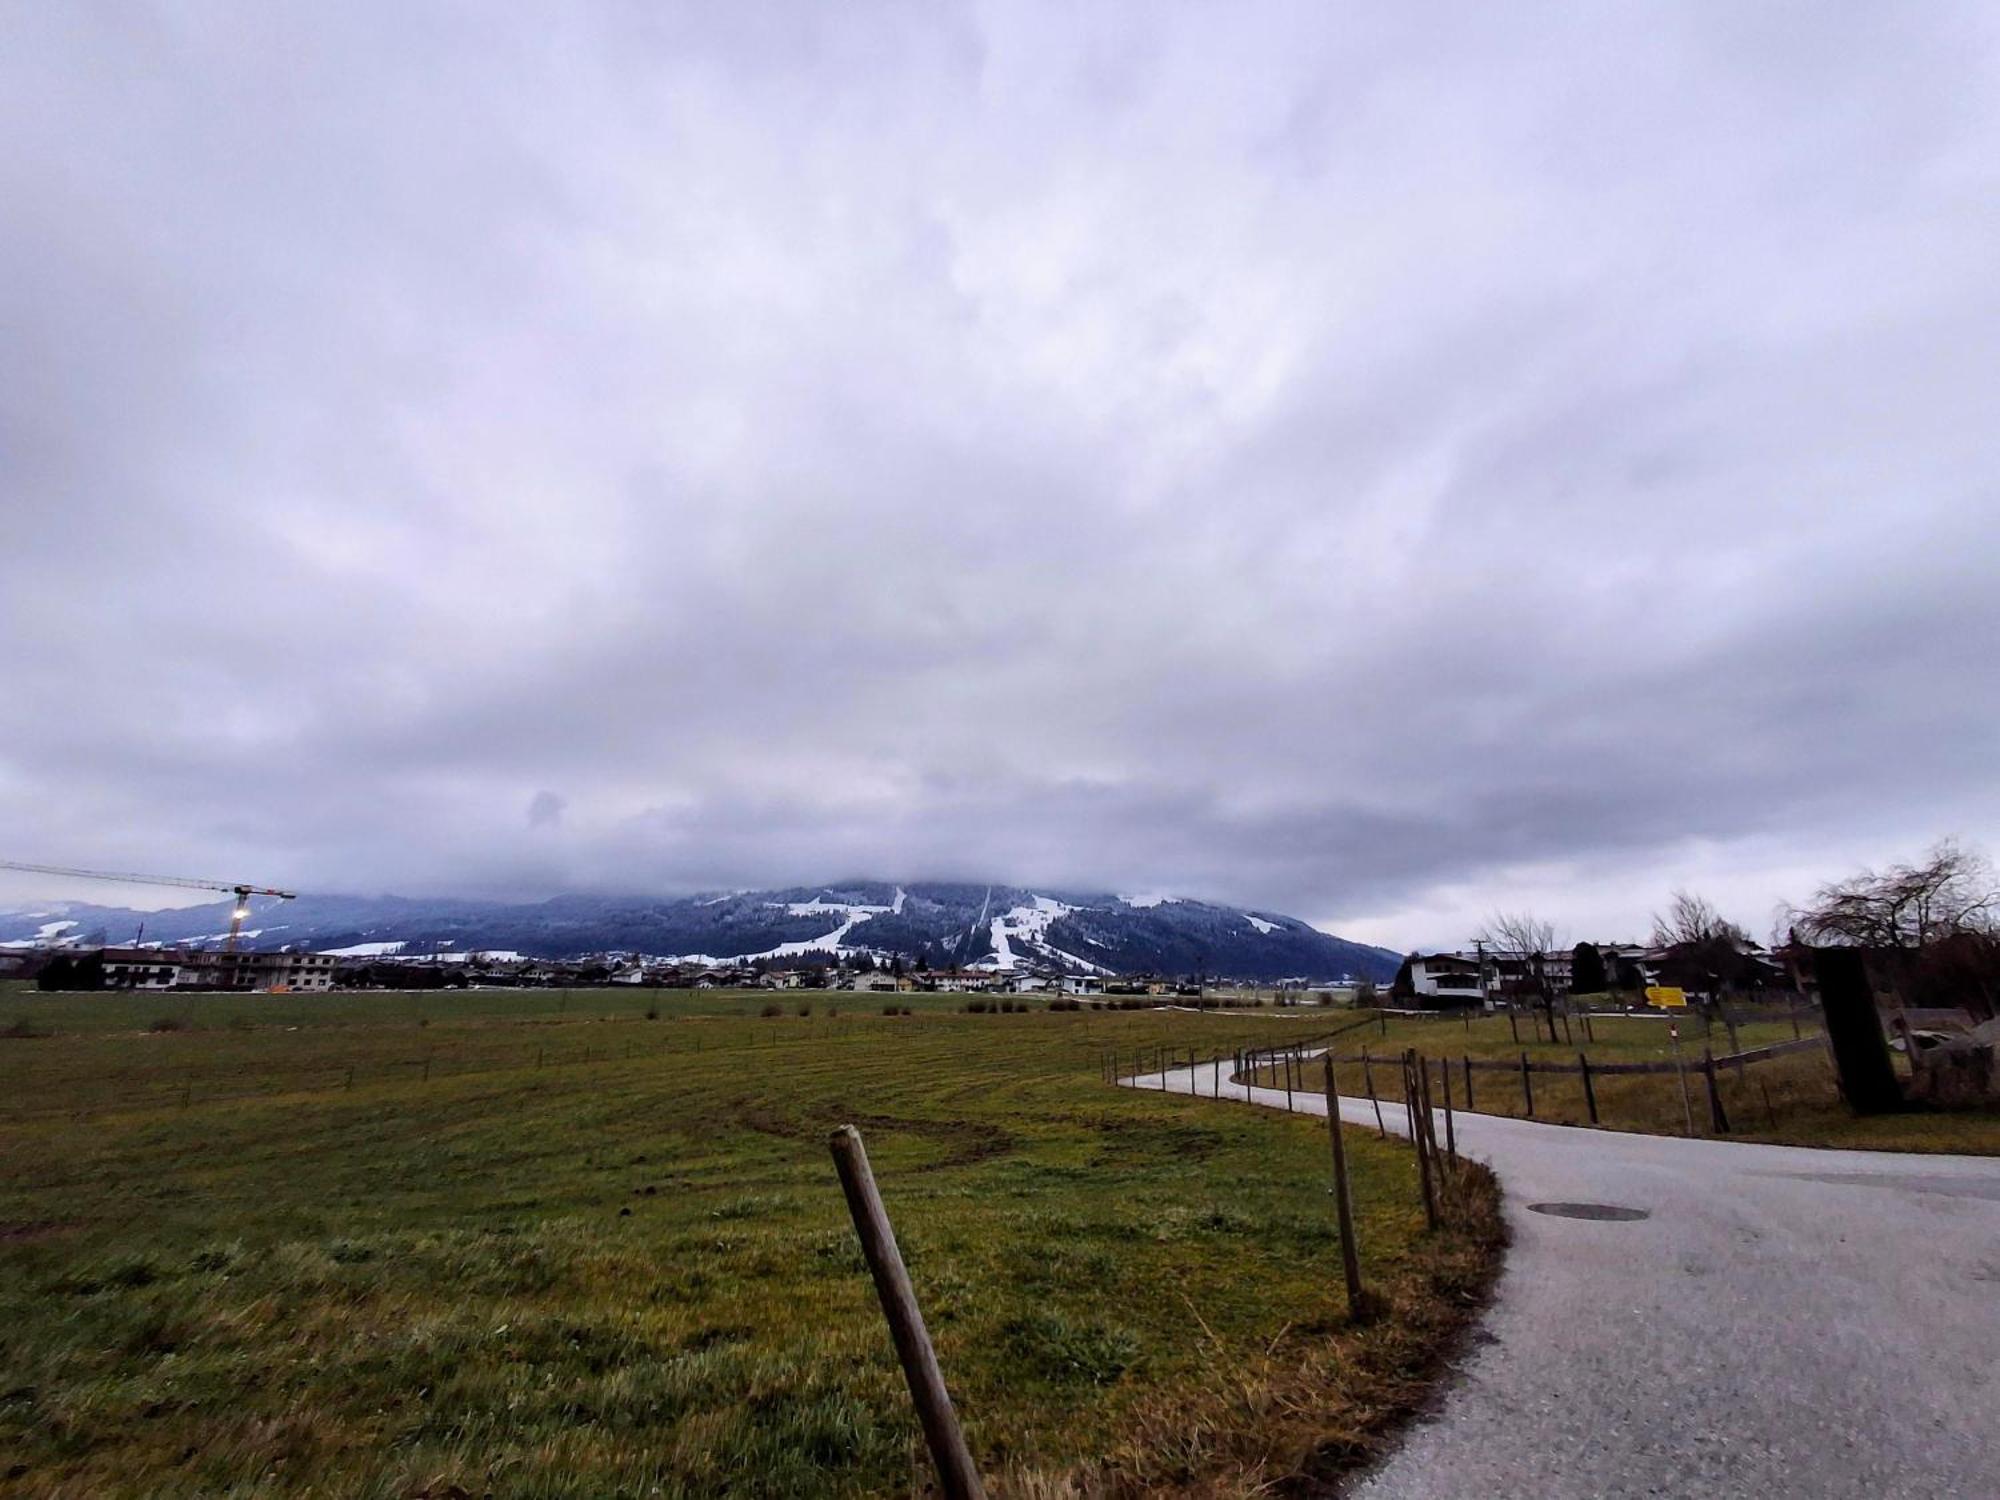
(1666, 997)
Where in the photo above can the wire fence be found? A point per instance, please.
(1288, 1069)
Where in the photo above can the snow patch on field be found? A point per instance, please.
(1027, 924)
(1147, 903)
(851, 913)
(830, 943)
(854, 909)
(1260, 924)
(47, 933)
(1082, 963)
(365, 950)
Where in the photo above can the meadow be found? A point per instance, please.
(1788, 1100)
(528, 1243)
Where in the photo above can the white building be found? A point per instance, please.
(1446, 976)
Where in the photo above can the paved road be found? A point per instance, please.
(1786, 1322)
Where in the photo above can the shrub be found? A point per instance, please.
(168, 1023)
(652, 1012)
(891, 1010)
(772, 1010)
(24, 1028)
(805, 1007)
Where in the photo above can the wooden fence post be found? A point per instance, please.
(1368, 1077)
(1444, 1181)
(1288, 1082)
(1413, 1089)
(1715, 1112)
(1589, 1093)
(1450, 1130)
(1343, 1203)
(1527, 1087)
(1468, 1083)
(1513, 1026)
(350, 1077)
(427, 1067)
(956, 1474)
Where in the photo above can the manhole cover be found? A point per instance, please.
(1588, 1211)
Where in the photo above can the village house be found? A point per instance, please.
(201, 969)
(880, 982)
(958, 981)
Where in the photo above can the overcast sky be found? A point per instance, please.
(1379, 464)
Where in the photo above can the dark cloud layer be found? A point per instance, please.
(1371, 466)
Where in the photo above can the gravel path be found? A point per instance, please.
(1783, 1322)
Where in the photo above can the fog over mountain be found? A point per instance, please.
(1380, 464)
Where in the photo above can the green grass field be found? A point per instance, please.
(1789, 1100)
(595, 1254)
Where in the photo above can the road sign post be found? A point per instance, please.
(1680, 1067)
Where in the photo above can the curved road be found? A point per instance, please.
(1784, 1322)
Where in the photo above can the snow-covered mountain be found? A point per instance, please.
(973, 926)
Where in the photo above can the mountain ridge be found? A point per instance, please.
(944, 923)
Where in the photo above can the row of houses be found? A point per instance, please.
(1478, 977)
(156, 968)
(891, 982)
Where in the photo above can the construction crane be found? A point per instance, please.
(243, 893)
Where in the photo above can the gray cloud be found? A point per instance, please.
(1373, 468)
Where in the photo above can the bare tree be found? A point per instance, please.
(1527, 940)
(1950, 892)
(1692, 919)
(1703, 951)
(1518, 934)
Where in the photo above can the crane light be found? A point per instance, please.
(241, 912)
